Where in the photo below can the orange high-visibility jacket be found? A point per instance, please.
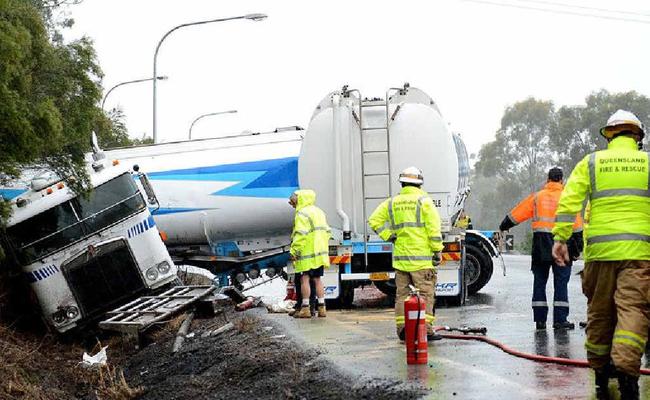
(541, 206)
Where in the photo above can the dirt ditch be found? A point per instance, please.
(255, 360)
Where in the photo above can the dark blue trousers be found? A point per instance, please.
(561, 276)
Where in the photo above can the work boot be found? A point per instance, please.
(628, 385)
(602, 383)
(540, 325)
(322, 313)
(303, 313)
(431, 336)
(564, 325)
(402, 335)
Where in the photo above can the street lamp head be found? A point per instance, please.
(256, 17)
(162, 78)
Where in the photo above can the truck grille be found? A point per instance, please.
(103, 277)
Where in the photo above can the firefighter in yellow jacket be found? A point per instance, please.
(309, 248)
(410, 220)
(616, 278)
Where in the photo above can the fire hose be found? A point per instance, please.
(478, 334)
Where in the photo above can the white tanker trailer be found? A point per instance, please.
(224, 200)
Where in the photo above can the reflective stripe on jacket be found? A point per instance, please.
(311, 234)
(541, 207)
(412, 222)
(616, 182)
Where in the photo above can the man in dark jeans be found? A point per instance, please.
(540, 208)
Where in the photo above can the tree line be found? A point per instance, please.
(50, 91)
(535, 136)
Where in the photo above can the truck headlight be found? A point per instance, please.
(163, 267)
(152, 274)
(71, 312)
(64, 314)
(58, 317)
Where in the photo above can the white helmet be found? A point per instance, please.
(411, 175)
(621, 121)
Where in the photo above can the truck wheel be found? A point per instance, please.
(478, 268)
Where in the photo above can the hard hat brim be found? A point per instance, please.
(411, 180)
(611, 130)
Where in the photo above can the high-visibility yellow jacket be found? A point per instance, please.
(616, 182)
(464, 223)
(411, 222)
(311, 234)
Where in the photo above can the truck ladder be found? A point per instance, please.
(365, 132)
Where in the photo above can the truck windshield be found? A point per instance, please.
(75, 219)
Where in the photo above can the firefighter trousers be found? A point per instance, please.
(425, 281)
(618, 313)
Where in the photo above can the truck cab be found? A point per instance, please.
(83, 254)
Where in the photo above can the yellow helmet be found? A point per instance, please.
(622, 121)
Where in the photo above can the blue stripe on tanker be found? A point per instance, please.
(276, 178)
(163, 211)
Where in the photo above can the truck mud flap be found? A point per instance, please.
(145, 311)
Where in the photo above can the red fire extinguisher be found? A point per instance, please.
(291, 291)
(415, 334)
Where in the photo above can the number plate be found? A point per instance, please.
(379, 276)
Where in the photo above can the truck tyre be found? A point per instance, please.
(478, 268)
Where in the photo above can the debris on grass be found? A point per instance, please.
(246, 324)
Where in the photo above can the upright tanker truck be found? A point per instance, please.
(224, 200)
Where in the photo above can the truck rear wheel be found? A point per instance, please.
(478, 268)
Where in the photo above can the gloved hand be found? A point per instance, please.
(436, 259)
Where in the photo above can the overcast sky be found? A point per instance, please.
(474, 58)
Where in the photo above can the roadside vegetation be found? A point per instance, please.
(50, 92)
(49, 104)
(535, 136)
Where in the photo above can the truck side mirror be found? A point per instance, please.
(148, 189)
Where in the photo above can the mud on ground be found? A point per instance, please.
(256, 360)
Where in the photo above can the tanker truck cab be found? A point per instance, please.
(83, 255)
(352, 153)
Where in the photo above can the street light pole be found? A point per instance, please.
(252, 17)
(160, 78)
(207, 115)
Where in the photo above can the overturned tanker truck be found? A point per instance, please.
(83, 255)
(224, 200)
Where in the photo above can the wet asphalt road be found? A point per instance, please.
(363, 342)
